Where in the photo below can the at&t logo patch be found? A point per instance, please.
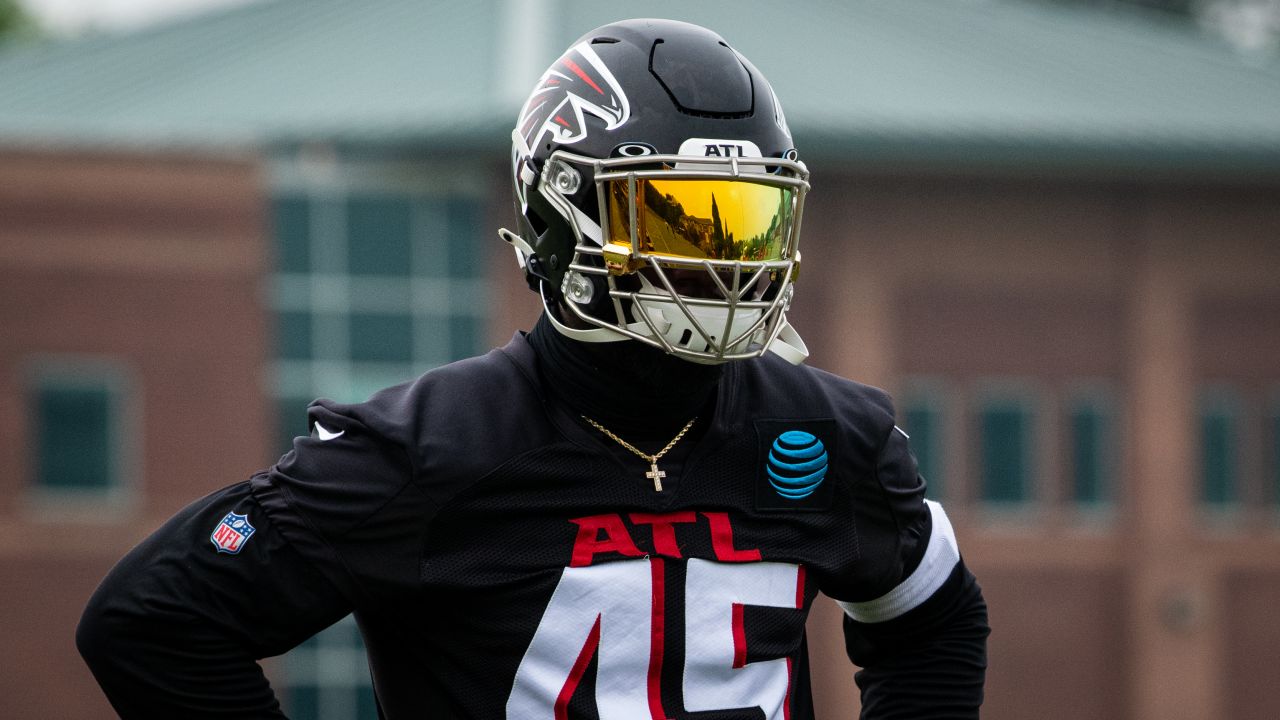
(797, 464)
(232, 533)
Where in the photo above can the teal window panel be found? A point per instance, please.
(380, 294)
(291, 421)
(435, 243)
(465, 220)
(378, 337)
(465, 336)
(294, 335)
(327, 677)
(303, 702)
(366, 703)
(1005, 452)
(1219, 460)
(379, 235)
(923, 422)
(432, 340)
(76, 429)
(291, 221)
(1090, 439)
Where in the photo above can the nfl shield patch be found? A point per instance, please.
(232, 533)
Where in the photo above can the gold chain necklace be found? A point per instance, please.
(654, 473)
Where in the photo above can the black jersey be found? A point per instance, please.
(504, 559)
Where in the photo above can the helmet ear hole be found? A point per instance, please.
(536, 222)
(589, 293)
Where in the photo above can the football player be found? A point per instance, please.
(627, 512)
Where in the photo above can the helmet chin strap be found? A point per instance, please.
(788, 345)
(591, 335)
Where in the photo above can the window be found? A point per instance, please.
(292, 227)
(1219, 447)
(328, 677)
(78, 417)
(1004, 450)
(464, 336)
(379, 277)
(379, 235)
(293, 335)
(462, 213)
(74, 428)
(922, 420)
(379, 337)
(1090, 448)
(291, 420)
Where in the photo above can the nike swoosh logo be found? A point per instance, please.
(325, 433)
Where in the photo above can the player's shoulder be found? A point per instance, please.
(808, 390)
(859, 416)
(466, 397)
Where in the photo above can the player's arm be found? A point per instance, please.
(921, 644)
(177, 627)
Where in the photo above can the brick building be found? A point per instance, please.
(1053, 234)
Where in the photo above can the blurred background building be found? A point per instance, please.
(1051, 229)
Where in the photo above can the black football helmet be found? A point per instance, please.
(659, 195)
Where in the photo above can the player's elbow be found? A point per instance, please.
(101, 632)
(93, 633)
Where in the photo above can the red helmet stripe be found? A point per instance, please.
(578, 71)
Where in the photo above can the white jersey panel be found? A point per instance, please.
(711, 680)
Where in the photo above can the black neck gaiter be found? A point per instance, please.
(633, 389)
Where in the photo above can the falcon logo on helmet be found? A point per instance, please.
(576, 84)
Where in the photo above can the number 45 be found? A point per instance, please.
(614, 612)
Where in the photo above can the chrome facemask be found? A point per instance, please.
(647, 247)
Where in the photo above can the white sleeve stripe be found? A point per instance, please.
(940, 558)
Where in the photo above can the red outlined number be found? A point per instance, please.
(614, 612)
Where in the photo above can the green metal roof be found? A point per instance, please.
(891, 82)
(273, 70)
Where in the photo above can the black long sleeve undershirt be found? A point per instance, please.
(172, 633)
(929, 663)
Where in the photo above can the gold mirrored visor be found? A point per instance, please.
(701, 219)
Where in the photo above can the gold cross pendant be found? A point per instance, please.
(656, 475)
